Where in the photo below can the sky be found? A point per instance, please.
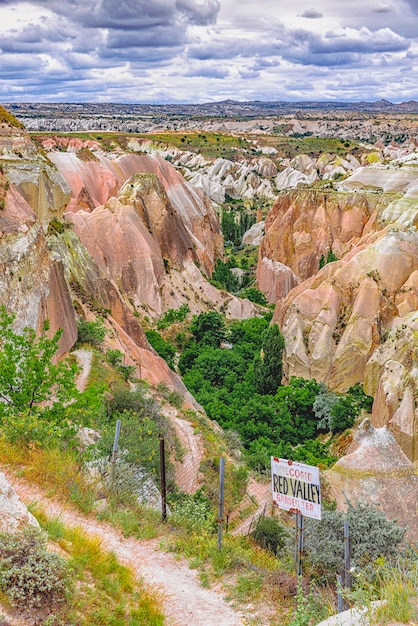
(195, 51)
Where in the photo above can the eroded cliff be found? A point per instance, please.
(353, 320)
(131, 243)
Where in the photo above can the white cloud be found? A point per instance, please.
(206, 50)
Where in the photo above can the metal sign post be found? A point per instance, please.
(296, 488)
(300, 545)
(347, 559)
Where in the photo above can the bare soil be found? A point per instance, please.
(185, 601)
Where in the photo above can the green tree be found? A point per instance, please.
(31, 378)
(33, 384)
(224, 278)
(208, 328)
(255, 295)
(268, 368)
(165, 349)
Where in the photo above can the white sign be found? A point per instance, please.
(296, 487)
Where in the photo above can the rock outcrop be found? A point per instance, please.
(31, 279)
(376, 471)
(354, 320)
(138, 233)
(95, 177)
(13, 513)
(304, 225)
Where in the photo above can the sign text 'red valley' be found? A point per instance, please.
(296, 487)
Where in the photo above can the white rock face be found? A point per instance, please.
(13, 513)
(253, 236)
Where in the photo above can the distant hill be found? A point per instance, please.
(226, 108)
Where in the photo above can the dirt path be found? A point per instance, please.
(187, 471)
(261, 493)
(185, 602)
(84, 360)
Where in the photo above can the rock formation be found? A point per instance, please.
(94, 178)
(376, 471)
(354, 320)
(138, 233)
(13, 513)
(31, 280)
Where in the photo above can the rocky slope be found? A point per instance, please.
(131, 243)
(31, 279)
(354, 320)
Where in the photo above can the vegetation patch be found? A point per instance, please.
(103, 592)
(9, 119)
(208, 144)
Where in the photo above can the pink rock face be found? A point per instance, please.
(333, 322)
(93, 182)
(17, 215)
(124, 250)
(302, 226)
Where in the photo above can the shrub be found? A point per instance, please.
(91, 332)
(162, 347)
(270, 534)
(192, 512)
(114, 357)
(372, 536)
(29, 575)
(255, 295)
(173, 315)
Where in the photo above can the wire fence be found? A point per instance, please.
(240, 503)
(159, 481)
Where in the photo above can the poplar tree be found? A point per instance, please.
(268, 367)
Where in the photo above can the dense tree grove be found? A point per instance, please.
(235, 372)
(235, 224)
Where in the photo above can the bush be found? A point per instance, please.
(91, 332)
(162, 347)
(173, 315)
(255, 295)
(270, 534)
(192, 512)
(29, 575)
(372, 536)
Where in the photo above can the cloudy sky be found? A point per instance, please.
(158, 51)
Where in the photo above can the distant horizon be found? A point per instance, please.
(206, 51)
(209, 103)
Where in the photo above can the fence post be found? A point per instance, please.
(339, 593)
(300, 545)
(347, 557)
(115, 451)
(162, 481)
(221, 499)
